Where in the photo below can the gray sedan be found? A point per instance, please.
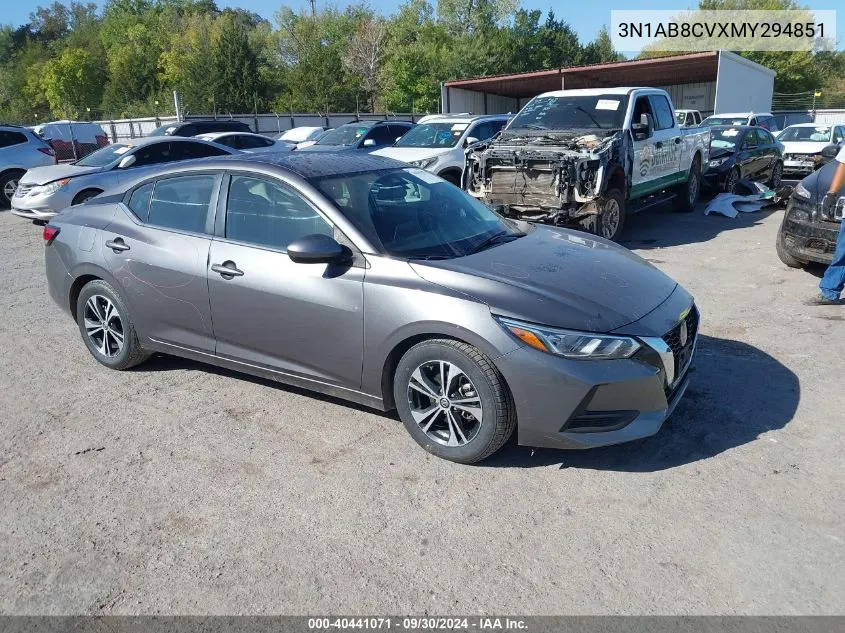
(44, 191)
(362, 278)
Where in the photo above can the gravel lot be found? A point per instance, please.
(179, 488)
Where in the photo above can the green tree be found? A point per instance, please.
(71, 82)
(234, 64)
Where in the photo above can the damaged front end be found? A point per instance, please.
(547, 177)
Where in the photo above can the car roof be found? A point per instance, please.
(215, 135)
(736, 114)
(462, 118)
(318, 164)
(735, 127)
(149, 140)
(594, 92)
(813, 125)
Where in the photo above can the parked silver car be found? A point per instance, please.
(21, 149)
(360, 277)
(45, 191)
(246, 142)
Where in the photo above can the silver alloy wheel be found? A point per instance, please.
(104, 326)
(693, 187)
(609, 218)
(9, 189)
(445, 403)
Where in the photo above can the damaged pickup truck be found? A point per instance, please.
(588, 158)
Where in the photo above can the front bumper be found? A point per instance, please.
(41, 207)
(798, 168)
(812, 240)
(714, 178)
(576, 404)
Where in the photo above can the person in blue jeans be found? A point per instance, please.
(833, 282)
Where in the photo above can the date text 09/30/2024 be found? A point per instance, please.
(418, 623)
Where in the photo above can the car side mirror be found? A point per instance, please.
(369, 142)
(830, 151)
(470, 140)
(644, 129)
(127, 161)
(316, 249)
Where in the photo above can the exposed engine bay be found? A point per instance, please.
(550, 176)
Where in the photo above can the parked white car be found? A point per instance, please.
(303, 136)
(763, 119)
(803, 145)
(246, 142)
(688, 118)
(20, 150)
(437, 144)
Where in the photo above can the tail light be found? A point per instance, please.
(50, 233)
(50, 152)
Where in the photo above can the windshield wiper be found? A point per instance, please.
(533, 126)
(490, 241)
(592, 118)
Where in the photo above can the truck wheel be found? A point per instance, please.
(610, 220)
(783, 253)
(687, 194)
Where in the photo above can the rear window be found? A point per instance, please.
(181, 203)
(9, 138)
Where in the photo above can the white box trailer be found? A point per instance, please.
(713, 81)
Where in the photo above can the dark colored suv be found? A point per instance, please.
(192, 128)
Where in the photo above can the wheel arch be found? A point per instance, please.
(82, 276)
(84, 191)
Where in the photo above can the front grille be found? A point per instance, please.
(599, 421)
(681, 339)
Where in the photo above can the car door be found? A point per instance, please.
(750, 160)
(652, 156)
(300, 319)
(157, 251)
(769, 152)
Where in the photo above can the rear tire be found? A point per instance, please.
(8, 184)
(784, 255)
(106, 328)
(466, 422)
(687, 194)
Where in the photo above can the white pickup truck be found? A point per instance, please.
(588, 158)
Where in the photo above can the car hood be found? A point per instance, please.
(325, 148)
(410, 154)
(557, 277)
(803, 147)
(820, 180)
(43, 175)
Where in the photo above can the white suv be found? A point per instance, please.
(20, 149)
(437, 143)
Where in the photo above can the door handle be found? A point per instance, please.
(227, 270)
(658, 144)
(117, 245)
(677, 140)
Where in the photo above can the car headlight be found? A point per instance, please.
(50, 187)
(571, 344)
(423, 164)
(718, 161)
(802, 191)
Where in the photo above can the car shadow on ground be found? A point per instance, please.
(661, 227)
(737, 393)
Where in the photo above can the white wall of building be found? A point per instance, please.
(742, 85)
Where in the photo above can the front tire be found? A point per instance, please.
(731, 180)
(783, 252)
(610, 220)
(453, 401)
(8, 184)
(106, 328)
(777, 175)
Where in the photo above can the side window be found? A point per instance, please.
(753, 121)
(750, 139)
(153, 154)
(9, 138)
(182, 203)
(188, 130)
(764, 137)
(186, 150)
(837, 134)
(382, 135)
(398, 130)
(697, 117)
(228, 141)
(664, 119)
(486, 129)
(250, 142)
(267, 213)
(139, 201)
(689, 120)
(641, 107)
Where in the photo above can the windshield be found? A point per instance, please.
(164, 130)
(725, 139)
(734, 120)
(599, 112)
(343, 135)
(433, 135)
(413, 214)
(104, 156)
(820, 134)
